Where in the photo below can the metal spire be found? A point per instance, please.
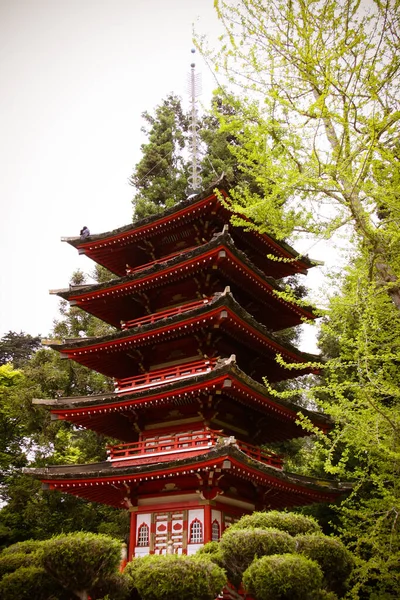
(194, 90)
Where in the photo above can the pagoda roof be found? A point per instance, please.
(110, 354)
(109, 414)
(102, 482)
(235, 265)
(98, 246)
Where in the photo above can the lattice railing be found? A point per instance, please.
(185, 442)
(169, 312)
(162, 376)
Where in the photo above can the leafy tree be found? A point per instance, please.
(161, 176)
(17, 348)
(318, 128)
(80, 561)
(172, 577)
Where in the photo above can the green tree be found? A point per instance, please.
(160, 177)
(17, 348)
(318, 128)
(172, 577)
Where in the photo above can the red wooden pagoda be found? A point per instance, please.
(195, 309)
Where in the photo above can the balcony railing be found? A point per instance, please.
(169, 312)
(131, 270)
(162, 376)
(186, 442)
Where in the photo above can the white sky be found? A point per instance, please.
(76, 76)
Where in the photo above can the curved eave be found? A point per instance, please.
(235, 263)
(111, 485)
(105, 413)
(123, 236)
(223, 312)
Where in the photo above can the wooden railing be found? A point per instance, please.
(185, 442)
(169, 312)
(162, 376)
(130, 270)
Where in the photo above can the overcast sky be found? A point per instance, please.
(76, 76)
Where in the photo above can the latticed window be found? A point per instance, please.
(196, 532)
(143, 535)
(215, 531)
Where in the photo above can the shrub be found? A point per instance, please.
(14, 560)
(26, 547)
(28, 583)
(212, 551)
(332, 556)
(239, 547)
(292, 523)
(283, 577)
(172, 577)
(79, 561)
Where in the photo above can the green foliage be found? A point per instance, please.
(332, 556)
(14, 560)
(79, 561)
(291, 523)
(239, 547)
(31, 582)
(160, 177)
(283, 577)
(172, 577)
(17, 348)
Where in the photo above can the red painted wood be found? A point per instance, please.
(155, 378)
(163, 314)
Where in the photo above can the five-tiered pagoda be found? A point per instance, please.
(195, 307)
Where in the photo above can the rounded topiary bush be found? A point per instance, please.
(79, 561)
(172, 577)
(31, 583)
(283, 577)
(292, 523)
(239, 547)
(332, 556)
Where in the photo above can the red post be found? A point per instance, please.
(207, 523)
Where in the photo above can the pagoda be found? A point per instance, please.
(196, 310)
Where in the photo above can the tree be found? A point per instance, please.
(17, 348)
(318, 130)
(293, 543)
(161, 176)
(173, 577)
(80, 561)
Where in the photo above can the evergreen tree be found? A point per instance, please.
(161, 176)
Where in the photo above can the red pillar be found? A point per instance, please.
(132, 536)
(207, 523)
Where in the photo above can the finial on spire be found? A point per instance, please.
(194, 88)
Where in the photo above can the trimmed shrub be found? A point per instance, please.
(26, 547)
(332, 556)
(283, 577)
(79, 561)
(292, 523)
(212, 551)
(239, 547)
(14, 560)
(173, 577)
(28, 583)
